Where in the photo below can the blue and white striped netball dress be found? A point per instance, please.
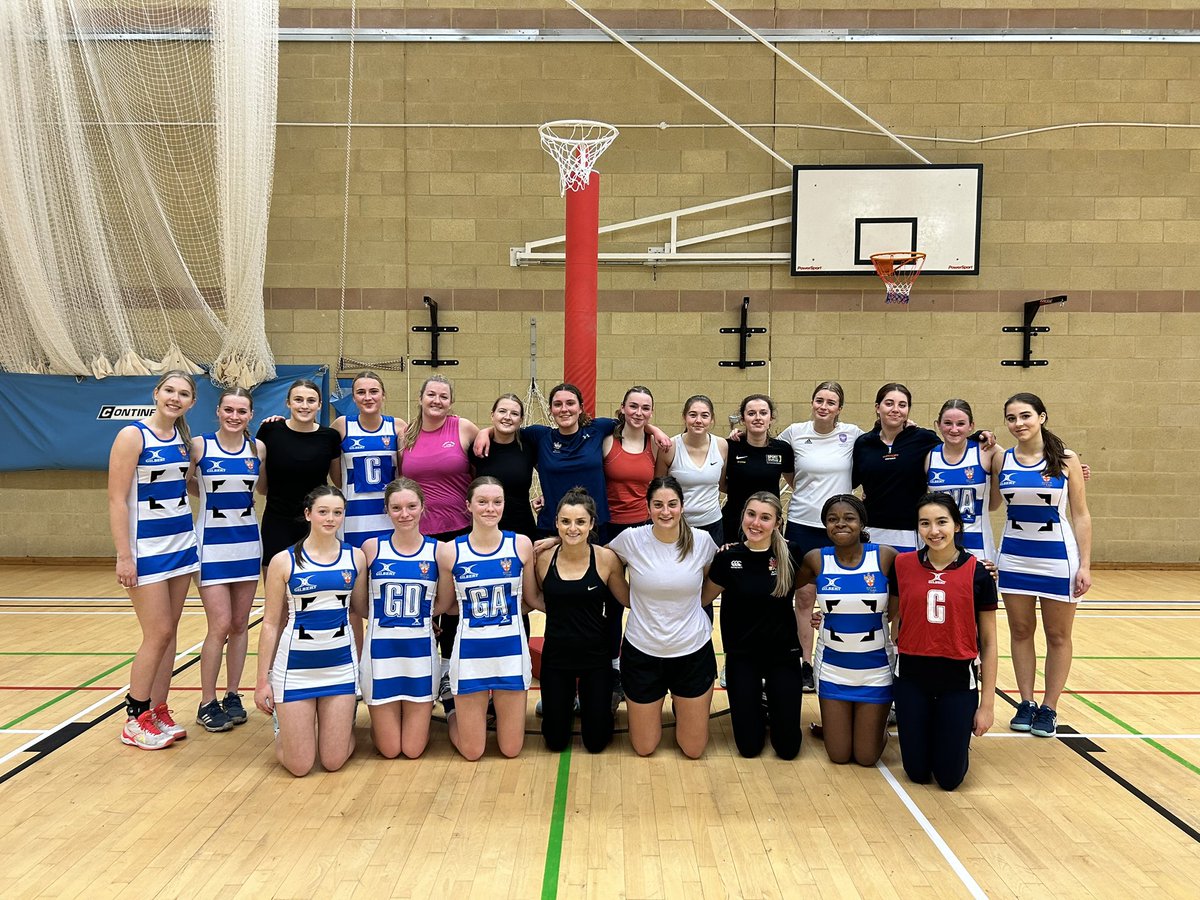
(162, 537)
(854, 653)
(401, 660)
(489, 649)
(967, 482)
(1038, 553)
(316, 650)
(230, 546)
(368, 464)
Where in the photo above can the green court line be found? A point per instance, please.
(557, 820)
(1194, 769)
(63, 696)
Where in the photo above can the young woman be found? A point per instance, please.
(400, 666)
(300, 454)
(510, 461)
(1043, 554)
(854, 648)
(578, 581)
(947, 610)
(696, 459)
(307, 666)
(668, 639)
(758, 462)
(486, 574)
(960, 467)
(756, 580)
(225, 470)
(152, 529)
(368, 461)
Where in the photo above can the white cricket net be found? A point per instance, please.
(136, 182)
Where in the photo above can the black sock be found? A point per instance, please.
(136, 707)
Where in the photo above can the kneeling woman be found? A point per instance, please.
(579, 581)
(947, 624)
(757, 580)
(485, 574)
(400, 657)
(853, 659)
(306, 661)
(668, 638)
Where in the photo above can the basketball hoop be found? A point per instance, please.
(575, 144)
(898, 271)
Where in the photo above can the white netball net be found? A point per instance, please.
(136, 181)
(575, 144)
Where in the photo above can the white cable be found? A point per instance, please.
(811, 77)
(675, 81)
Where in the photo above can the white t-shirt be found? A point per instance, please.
(665, 615)
(824, 463)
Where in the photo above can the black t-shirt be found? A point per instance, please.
(297, 461)
(512, 465)
(749, 470)
(893, 477)
(576, 618)
(753, 621)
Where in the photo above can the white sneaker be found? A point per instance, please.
(144, 734)
(166, 722)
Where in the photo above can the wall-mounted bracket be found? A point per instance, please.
(1028, 330)
(433, 329)
(743, 332)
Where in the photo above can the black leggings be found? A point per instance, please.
(595, 709)
(744, 676)
(935, 731)
(280, 533)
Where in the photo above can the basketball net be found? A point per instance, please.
(576, 145)
(898, 270)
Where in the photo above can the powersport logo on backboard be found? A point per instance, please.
(130, 413)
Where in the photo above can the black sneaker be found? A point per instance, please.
(444, 692)
(212, 717)
(618, 693)
(232, 704)
(807, 683)
(1026, 713)
(1045, 723)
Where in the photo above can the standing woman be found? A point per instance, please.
(510, 461)
(368, 461)
(226, 466)
(300, 455)
(668, 639)
(307, 666)
(854, 647)
(578, 581)
(696, 459)
(400, 655)
(434, 455)
(756, 580)
(947, 609)
(960, 467)
(152, 529)
(1043, 554)
(756, 463)
(486, 573)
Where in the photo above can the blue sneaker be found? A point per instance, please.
(1045, 723)
(1026, 713)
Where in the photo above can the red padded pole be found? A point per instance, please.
(582, 251)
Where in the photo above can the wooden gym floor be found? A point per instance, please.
(1111, 809)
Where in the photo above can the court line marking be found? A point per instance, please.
(92, 612)
(22, 731)
(955, 863)
(1119, 736)
(1190, 766)
(68, 692)
(558, 819)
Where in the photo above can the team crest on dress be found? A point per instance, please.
(424, 567)
(969, 473)
(1046, 477)
(183, 454)
(506, 565)
(347, 576)
(250, 464)
(869, 580)
(772, 567)
(387, 440)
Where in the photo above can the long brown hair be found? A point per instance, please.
(619, 428)
(1054, 451)
(321, 490)
(685, 541)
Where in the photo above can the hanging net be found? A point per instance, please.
(898, 270)
(136, 181)
(576, 145)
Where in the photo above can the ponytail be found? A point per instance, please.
(1054, 451)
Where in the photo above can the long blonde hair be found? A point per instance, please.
(414, 427)
(181, 424)
(784, 570)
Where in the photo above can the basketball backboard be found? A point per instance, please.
(843, 214)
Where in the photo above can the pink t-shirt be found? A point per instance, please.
(438, 463)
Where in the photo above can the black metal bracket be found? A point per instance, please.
(1028, 330)
(743, 333)
(433, 329)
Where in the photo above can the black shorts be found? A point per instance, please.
(647, 679)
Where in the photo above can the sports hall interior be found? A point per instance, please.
(1085, 115)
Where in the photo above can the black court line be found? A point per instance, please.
(1085, 747)
(60, 737)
